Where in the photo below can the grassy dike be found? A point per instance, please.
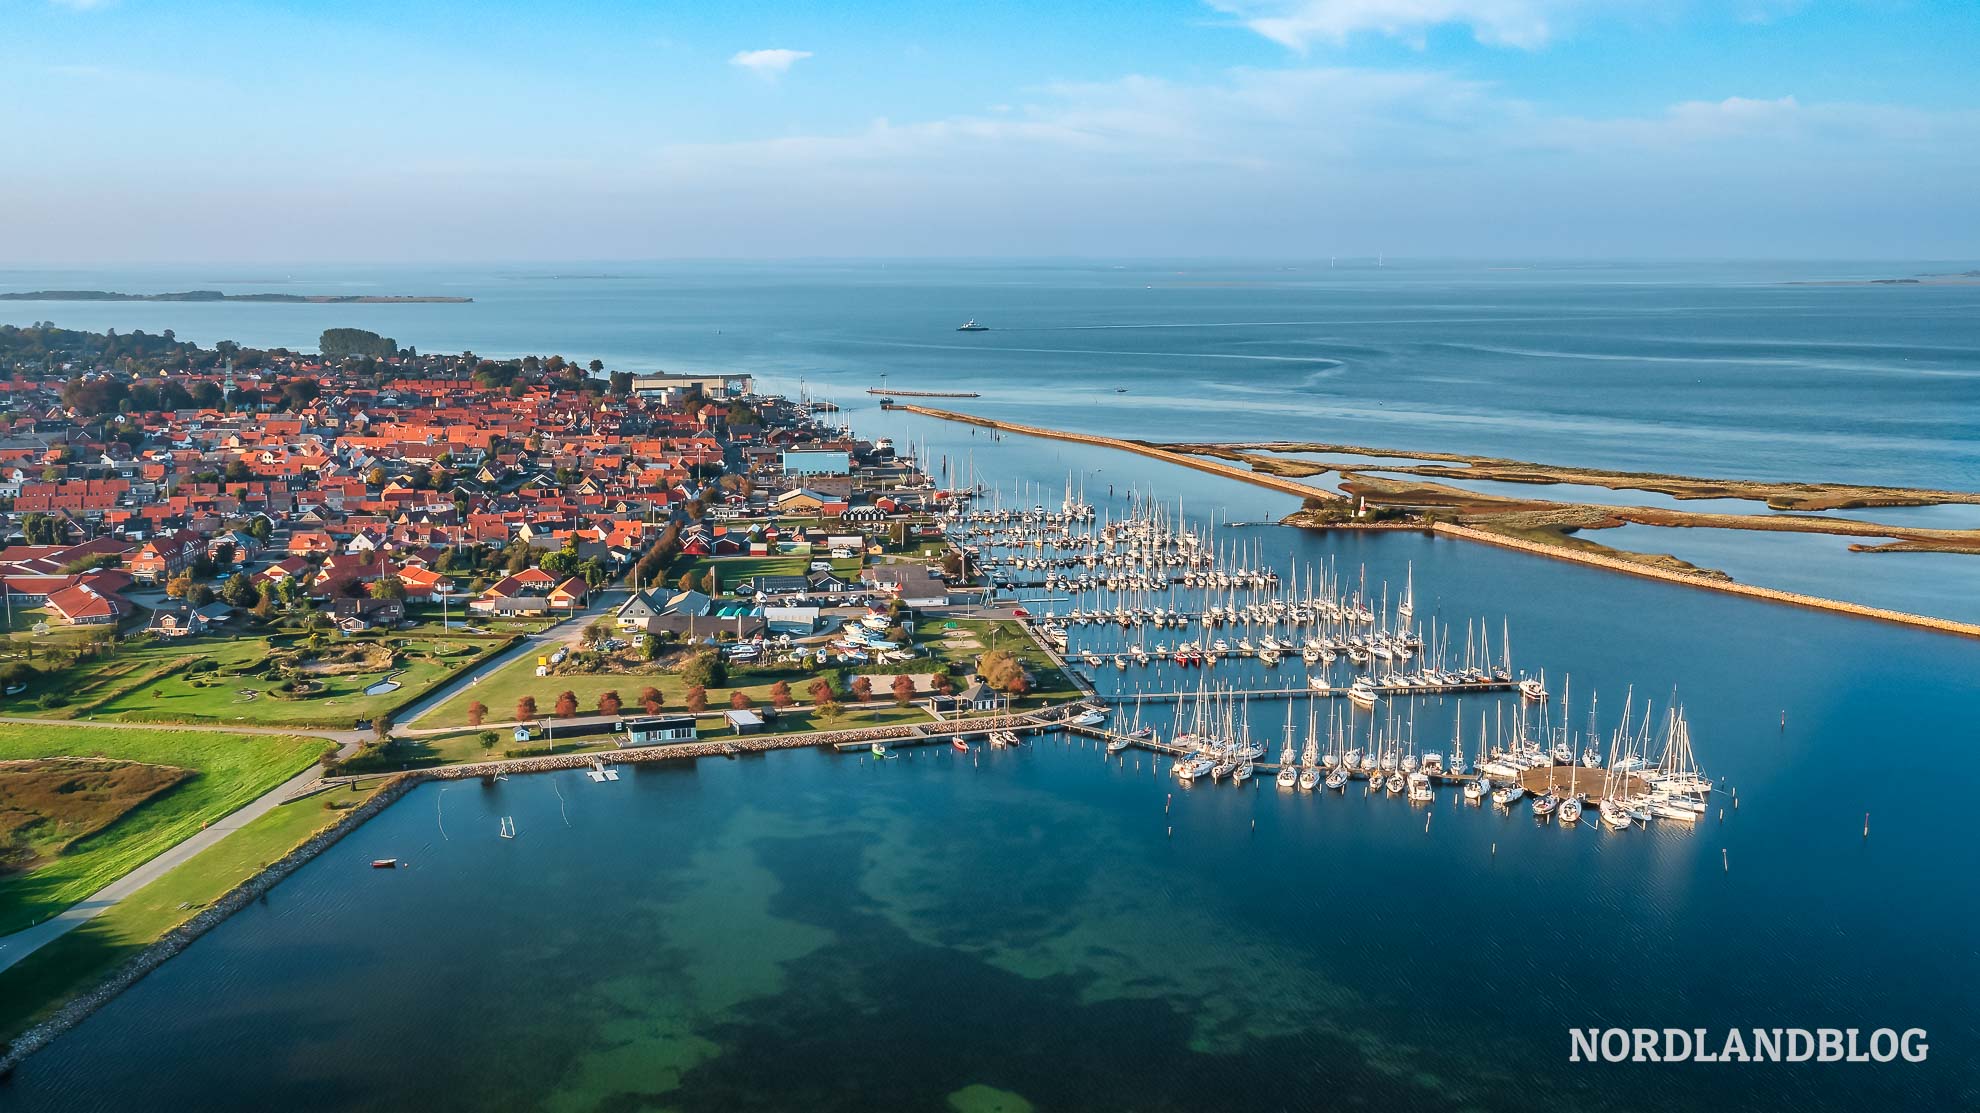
(41, 984)
(230, 770)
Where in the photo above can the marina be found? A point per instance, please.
(1068, 890)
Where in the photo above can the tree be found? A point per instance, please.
(705, 669)
(179, 585)
(488, 739)
(650, 699)
(343, 343)
(381, 728)
(239, 590)
(828, 711)
(649, 646)
(697, 699)
(567, 704)
(903, 689)
(944, 684)
(1003, 671)
(526, 708)
(596, 632)
(780, 694)
(709, 586)
(199, 595)
(477, 711)
(821, 690)
(686, 582)
(739, 700)
(609, 702)
(862, 689)
(388, 587)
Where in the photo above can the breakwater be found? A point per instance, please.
(1773, 595)
(1468, 533)
(1200, 463)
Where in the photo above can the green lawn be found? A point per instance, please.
(206, 697)
(158, 682)
(90, 953)
(500, 690)
(732, 570)
(232, 770)
(1007, 636)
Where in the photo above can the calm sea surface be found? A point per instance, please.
(817, 931)
(1708, 369)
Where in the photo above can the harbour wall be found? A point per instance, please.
(1468, 533)
(1773, 595)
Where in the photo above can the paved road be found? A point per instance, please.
(19, 945)
(565, 633)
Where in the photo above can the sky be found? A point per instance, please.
(362, 131)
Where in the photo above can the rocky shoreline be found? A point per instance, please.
(77, 1009)
(179, 938)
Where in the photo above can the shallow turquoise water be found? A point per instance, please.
(810, 930)
(814, 931)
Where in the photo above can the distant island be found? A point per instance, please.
(215, 295)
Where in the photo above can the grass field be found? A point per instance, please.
(172, 683)
(502, 688)
(86, 955)
(959, 647)
(730, 571)
(231, 769)
(49, 804)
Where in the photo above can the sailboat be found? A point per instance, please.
(1288, 769)
(1677, 788)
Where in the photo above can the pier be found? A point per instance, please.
(1331, 691)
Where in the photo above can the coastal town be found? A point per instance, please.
(156, 493)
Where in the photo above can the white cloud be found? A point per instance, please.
(1301, 23)
(769, 63)
(1305, 160)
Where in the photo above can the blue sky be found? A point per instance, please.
(194, 131)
